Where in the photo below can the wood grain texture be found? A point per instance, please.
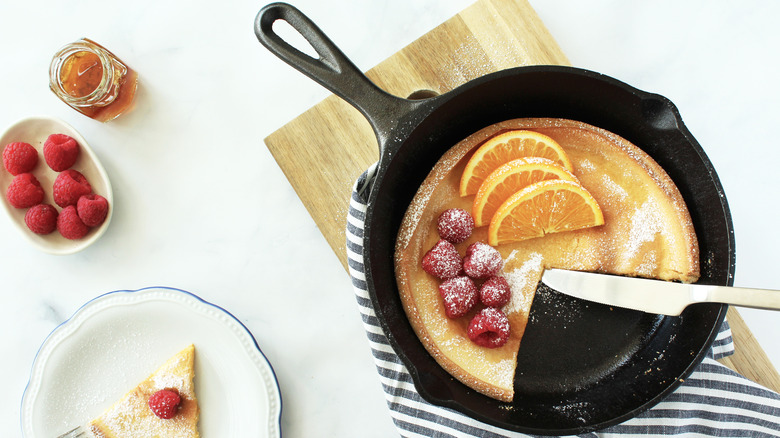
(326, 148)
(749, 359)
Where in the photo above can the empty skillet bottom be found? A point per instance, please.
(567, 345)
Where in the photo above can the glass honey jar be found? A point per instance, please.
(92, 80)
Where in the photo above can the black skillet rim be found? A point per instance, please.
(716, 321)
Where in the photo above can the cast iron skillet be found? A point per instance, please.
(581, 366)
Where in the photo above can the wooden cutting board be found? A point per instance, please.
(326, 148)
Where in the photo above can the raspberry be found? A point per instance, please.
(442, 261)
(92, 209)
(489, 328)
(41, 219)
(69, 186)
(19, 157)
(455, 225)
(24, 191)
(60, 152)
(165, 403)
(69, 224)
(460, 295)
(482, 260)
(495, 292)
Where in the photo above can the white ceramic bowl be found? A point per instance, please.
(35, 130)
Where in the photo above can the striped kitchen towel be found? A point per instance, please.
(713, 401)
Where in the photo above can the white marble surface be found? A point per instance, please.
(201, 205)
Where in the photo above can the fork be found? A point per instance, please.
(77, 432)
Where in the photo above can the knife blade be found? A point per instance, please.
(654, 296)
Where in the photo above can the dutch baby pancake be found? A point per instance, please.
(646, 231)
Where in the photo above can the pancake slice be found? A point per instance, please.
(131, 416)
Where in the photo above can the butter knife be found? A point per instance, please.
(654, 296)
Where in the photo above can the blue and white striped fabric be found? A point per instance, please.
(713, 401)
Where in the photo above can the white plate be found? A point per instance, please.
(118, 339)
(35, 130)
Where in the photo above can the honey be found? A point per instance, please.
(81, 74)
(92, 80)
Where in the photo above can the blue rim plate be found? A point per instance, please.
(117, 339)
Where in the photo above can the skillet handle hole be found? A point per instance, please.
(294, 38)
(422, 95)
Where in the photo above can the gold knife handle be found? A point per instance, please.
(739, 296)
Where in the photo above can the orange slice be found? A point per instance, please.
(506, 147)
(509, 179)
(544, 207)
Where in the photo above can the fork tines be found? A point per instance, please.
(76, 432)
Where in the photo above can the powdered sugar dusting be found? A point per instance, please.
(522, 280)
(489, 328)
(414, 213)
(455, 225)
(587, 166)
(614, 188)
(459, 294)
(171, 380)
(646, 223)
(648, 264)
(504, 370)
(481, 260)
(575, 410)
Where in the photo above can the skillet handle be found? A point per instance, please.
(333, 70)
